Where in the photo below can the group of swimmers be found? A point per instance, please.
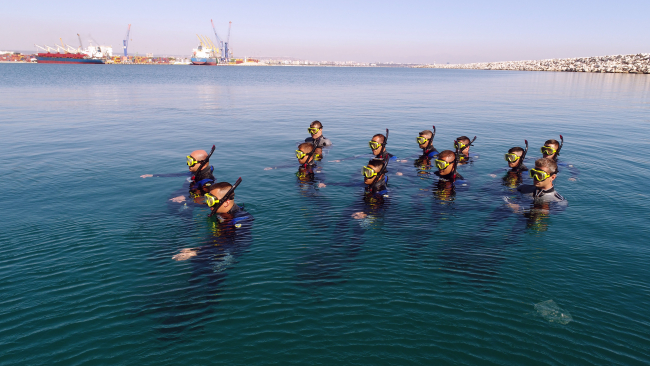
(219, 196)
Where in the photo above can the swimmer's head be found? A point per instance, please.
(445, 162)
(306, 153)
(377, 143)
(549, 150)
(371, 172)
(463, 146)
(316, 129)
(544, 173)
(217, 191)
(424, 139)
(195, 159)
(513, 157)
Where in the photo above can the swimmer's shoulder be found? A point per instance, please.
(526, 189)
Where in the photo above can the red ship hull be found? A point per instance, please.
(66, 58)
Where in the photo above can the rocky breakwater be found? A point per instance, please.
(633, 64)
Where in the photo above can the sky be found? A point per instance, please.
(363, 31)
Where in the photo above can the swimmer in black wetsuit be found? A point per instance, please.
(542, 190)
(307, 157)
(551, 150)
(462, 144)
(317, 138)
(231, 221)
(229, 237)
(378, 147)
(515, 160)
(447, 163)
(201, 175)
(425, 142)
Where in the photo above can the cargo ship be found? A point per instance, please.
(205, 53)
(69, 55)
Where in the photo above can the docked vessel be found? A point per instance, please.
(67, 58)
(205, 53)
(69, 55)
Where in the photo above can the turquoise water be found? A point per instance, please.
(86, 273)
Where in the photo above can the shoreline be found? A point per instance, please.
(630, 64)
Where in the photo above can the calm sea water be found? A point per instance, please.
(86, 273)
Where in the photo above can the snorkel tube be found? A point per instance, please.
(383, 146)
(310, 156)
(206, 160)
(225, 197)
(471, 143)
(431, 140)
(523, 156)
(456, 161)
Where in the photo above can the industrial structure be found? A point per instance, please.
(125, 42)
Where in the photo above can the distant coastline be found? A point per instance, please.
(631, 64)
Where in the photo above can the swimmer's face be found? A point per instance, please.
(372, 180)
(226, 206)
(516, 162)
(426, 143)
(198, 155)
(450, 167)
(546, 183)
(465, 150)
(305, 158)
(377, 150)
(317, 134)
(550, 156)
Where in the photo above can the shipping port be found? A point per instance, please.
(208, 52)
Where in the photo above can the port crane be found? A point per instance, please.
(81, 46)
(219, 41)
(227, 55)
(125, 42)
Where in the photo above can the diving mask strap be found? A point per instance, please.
(225, 197)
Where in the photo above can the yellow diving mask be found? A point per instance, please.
(374, 144)
(368, 172)
(300, 154)
(441, 164)
(512, 157)
(421, 140)
(191, 161)
(547, 150)
(211, 200)
(459, 145)
(538, 175)
(313, 130)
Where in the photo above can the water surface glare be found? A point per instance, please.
(85, 263)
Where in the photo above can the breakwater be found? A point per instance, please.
(633, 64)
